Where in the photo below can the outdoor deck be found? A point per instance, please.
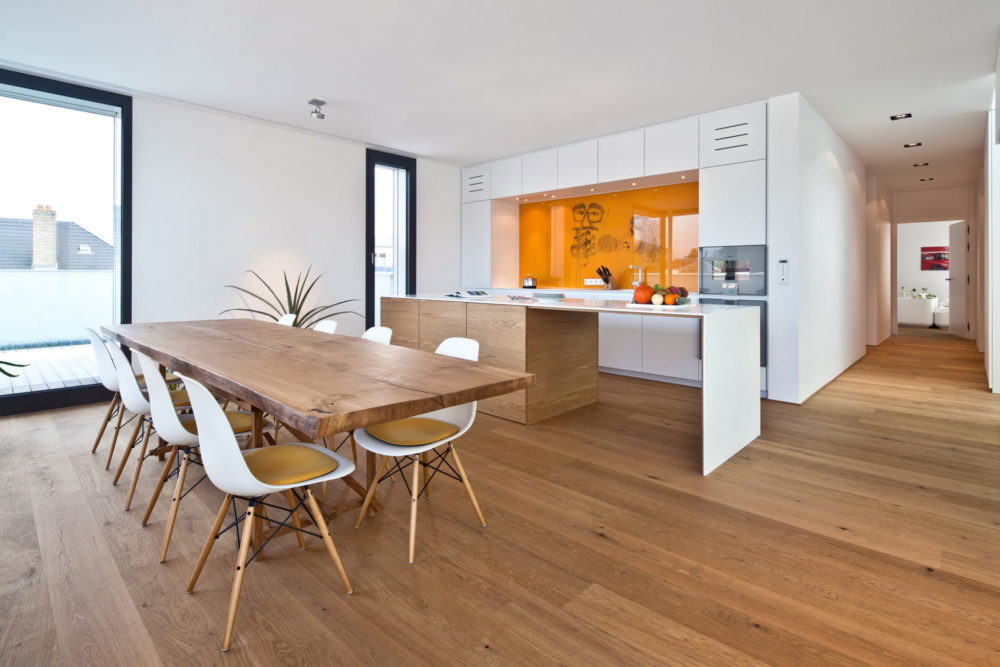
(49, 368)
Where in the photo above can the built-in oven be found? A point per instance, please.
(733, 270)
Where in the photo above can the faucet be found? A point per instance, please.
(636, 283)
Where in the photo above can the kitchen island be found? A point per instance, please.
(556, 339)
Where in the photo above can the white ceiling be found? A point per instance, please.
(463, 82)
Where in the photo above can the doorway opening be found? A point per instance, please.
(930, 273)
(391, 249)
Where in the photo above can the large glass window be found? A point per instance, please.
(391, 242)
(63, 234)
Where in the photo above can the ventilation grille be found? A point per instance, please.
(474, 183)
(728, 137)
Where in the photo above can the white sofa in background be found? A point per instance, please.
(919, 312)
(941, 315)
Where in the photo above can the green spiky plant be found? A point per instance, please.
(11, 364)
(293, 302)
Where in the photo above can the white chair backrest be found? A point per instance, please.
(326, 326)
(105, 367)
(168, 424)
(463, 415)
(288, 319)
(378, 334)
(128, 386)
(220, 453)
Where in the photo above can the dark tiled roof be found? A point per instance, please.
(76, 248)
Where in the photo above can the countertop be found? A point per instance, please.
(589, 304)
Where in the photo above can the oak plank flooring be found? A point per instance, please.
(862, 527)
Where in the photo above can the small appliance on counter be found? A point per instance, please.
(529, 282)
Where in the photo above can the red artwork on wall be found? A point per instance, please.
(934, 258)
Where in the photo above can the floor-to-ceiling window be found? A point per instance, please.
(391, 242)
(64, 235)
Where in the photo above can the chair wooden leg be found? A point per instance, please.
(159, 485)
(114, 438)
(290, 497)
(138, 465)
(210, 542)
(241, 566)
(425, 476)
(371, 491)
(104, 424)
(324, 530)
(128, 450)
(413, 506)
(175, 503)
(468, 487)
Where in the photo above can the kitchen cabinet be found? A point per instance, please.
(476, 183)
(619, 344)
(505, 177)
(577, 164)
(732, 203)
(620, 156)
(671, 147)
(733, 135)
(671, 346)
(476, 230)
(539, 171)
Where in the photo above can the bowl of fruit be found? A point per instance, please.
(658, 295)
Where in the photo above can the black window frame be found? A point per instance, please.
(375, 157)
(49, 399)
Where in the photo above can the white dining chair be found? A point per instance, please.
(137, 403)
(288, 319)
(326, 326)
(406, 442)
(378, 334)
(252, 476)
(109, 378)
(181, 433)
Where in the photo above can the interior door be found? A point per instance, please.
(957, 320)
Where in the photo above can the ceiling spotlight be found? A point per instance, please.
(914, 144)
(591, 189)
(683, 177)
(920, 164)
(317, 111)
(926, 179)
(901, 116)
(633, 182)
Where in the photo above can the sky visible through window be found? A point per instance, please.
(61, 158)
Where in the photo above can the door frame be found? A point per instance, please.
(49, 399)
(375, 157)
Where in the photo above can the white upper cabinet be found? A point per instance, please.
(620, 156)
(476, 252)
(577, 164)
(672, 146)
(505, 177)
(476, 182)
(733, 135)
(539, 171)
(732, 204)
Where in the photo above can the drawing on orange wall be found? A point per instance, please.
(934, 258)
(563, 241)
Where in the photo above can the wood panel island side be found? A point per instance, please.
(557, 341)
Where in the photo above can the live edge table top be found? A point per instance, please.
(316, 382)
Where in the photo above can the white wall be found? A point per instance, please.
(215, 194)
(816, 219)
(878, 244)
(909, 239)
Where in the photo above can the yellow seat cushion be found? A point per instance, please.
(240, 422)
(288, 464)
(413, 431)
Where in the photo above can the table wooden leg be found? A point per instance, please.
(257, 436)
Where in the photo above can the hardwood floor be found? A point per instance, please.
(862, 527)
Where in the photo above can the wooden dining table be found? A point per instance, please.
(315, 384)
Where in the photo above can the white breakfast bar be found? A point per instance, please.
(557, 340)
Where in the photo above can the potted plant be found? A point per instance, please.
(293, 301)
(12, 365)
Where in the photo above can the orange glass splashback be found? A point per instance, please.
(564, 241)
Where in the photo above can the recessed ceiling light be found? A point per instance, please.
(591, 189)
(914, 144)
(901, 116)
(927, 179)
(683, 177)
(633, 182)
(920, 164)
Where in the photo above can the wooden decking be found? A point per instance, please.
(862, 527)
(49, 368)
